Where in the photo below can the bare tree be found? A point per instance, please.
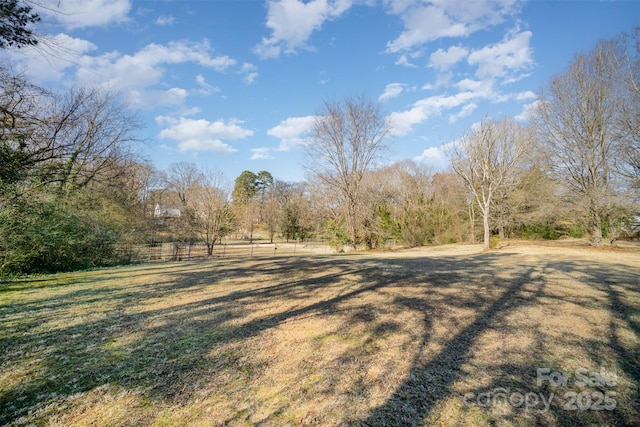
(135, 189)
(408, 190)
(297, 219)
(93, 129)
(346, 138)
(67, 140)
(452, 210)
(487, 159)
(577, 121)
(211, 213)
(627, 67)
(270, 208)
(205, 203)
(182, 178)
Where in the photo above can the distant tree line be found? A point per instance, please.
(75, 194)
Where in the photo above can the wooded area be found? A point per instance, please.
(75, 194)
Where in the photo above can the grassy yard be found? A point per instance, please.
(437, 336)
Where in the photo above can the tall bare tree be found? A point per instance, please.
(487, 159)
(182, 178)
(346, 138)
(577, 121)
(211, 215)
(204, 201)
(627, 67)
(94, 129)
(297, 219)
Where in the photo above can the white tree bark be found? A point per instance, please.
(487, 160)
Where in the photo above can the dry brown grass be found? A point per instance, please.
(364, 339)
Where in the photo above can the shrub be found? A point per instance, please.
(550, 231)
(337, 234)
(494, 241)
(43, 236)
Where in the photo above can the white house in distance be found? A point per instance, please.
(635, 223)
(162, 214)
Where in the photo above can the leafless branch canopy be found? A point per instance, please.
(346, 139)
(487, 160)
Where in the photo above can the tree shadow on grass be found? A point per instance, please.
(620, 286)
(430, 382)
(168, 353)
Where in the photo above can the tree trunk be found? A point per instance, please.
(487, 231)
(596, 237)
(472, 220)
(613, 231)
(353, 227)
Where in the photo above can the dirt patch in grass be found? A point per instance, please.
(433, 336)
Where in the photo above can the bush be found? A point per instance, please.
(337, 234)
(42, 236)
(494, 241)
(550, 231)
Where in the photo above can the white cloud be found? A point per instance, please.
(512, 54)
(443, 60)
(84, 13)
(261, 154)
(65, 60)
(176, 52)
(430, 154)
(190, 111)
(505, 60)
(153, 98)
(481, 88)
(528, 111)
(402, 122)
(469, 93)
(523, 96)
(391, 91)
(436, 156)
(201, 134)
(443, 79)
(417, 33)
(250, 73)
(464, 112)
(144, 69)
(293, 131)
(267, 49)
(165, 20)
(205, 88)
(48, 61)
(292, 21)
(404, 61)
(425, 21)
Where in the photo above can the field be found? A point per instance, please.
(531, 334)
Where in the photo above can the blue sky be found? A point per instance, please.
(234, 85)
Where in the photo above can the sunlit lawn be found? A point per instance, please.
(440, 336)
